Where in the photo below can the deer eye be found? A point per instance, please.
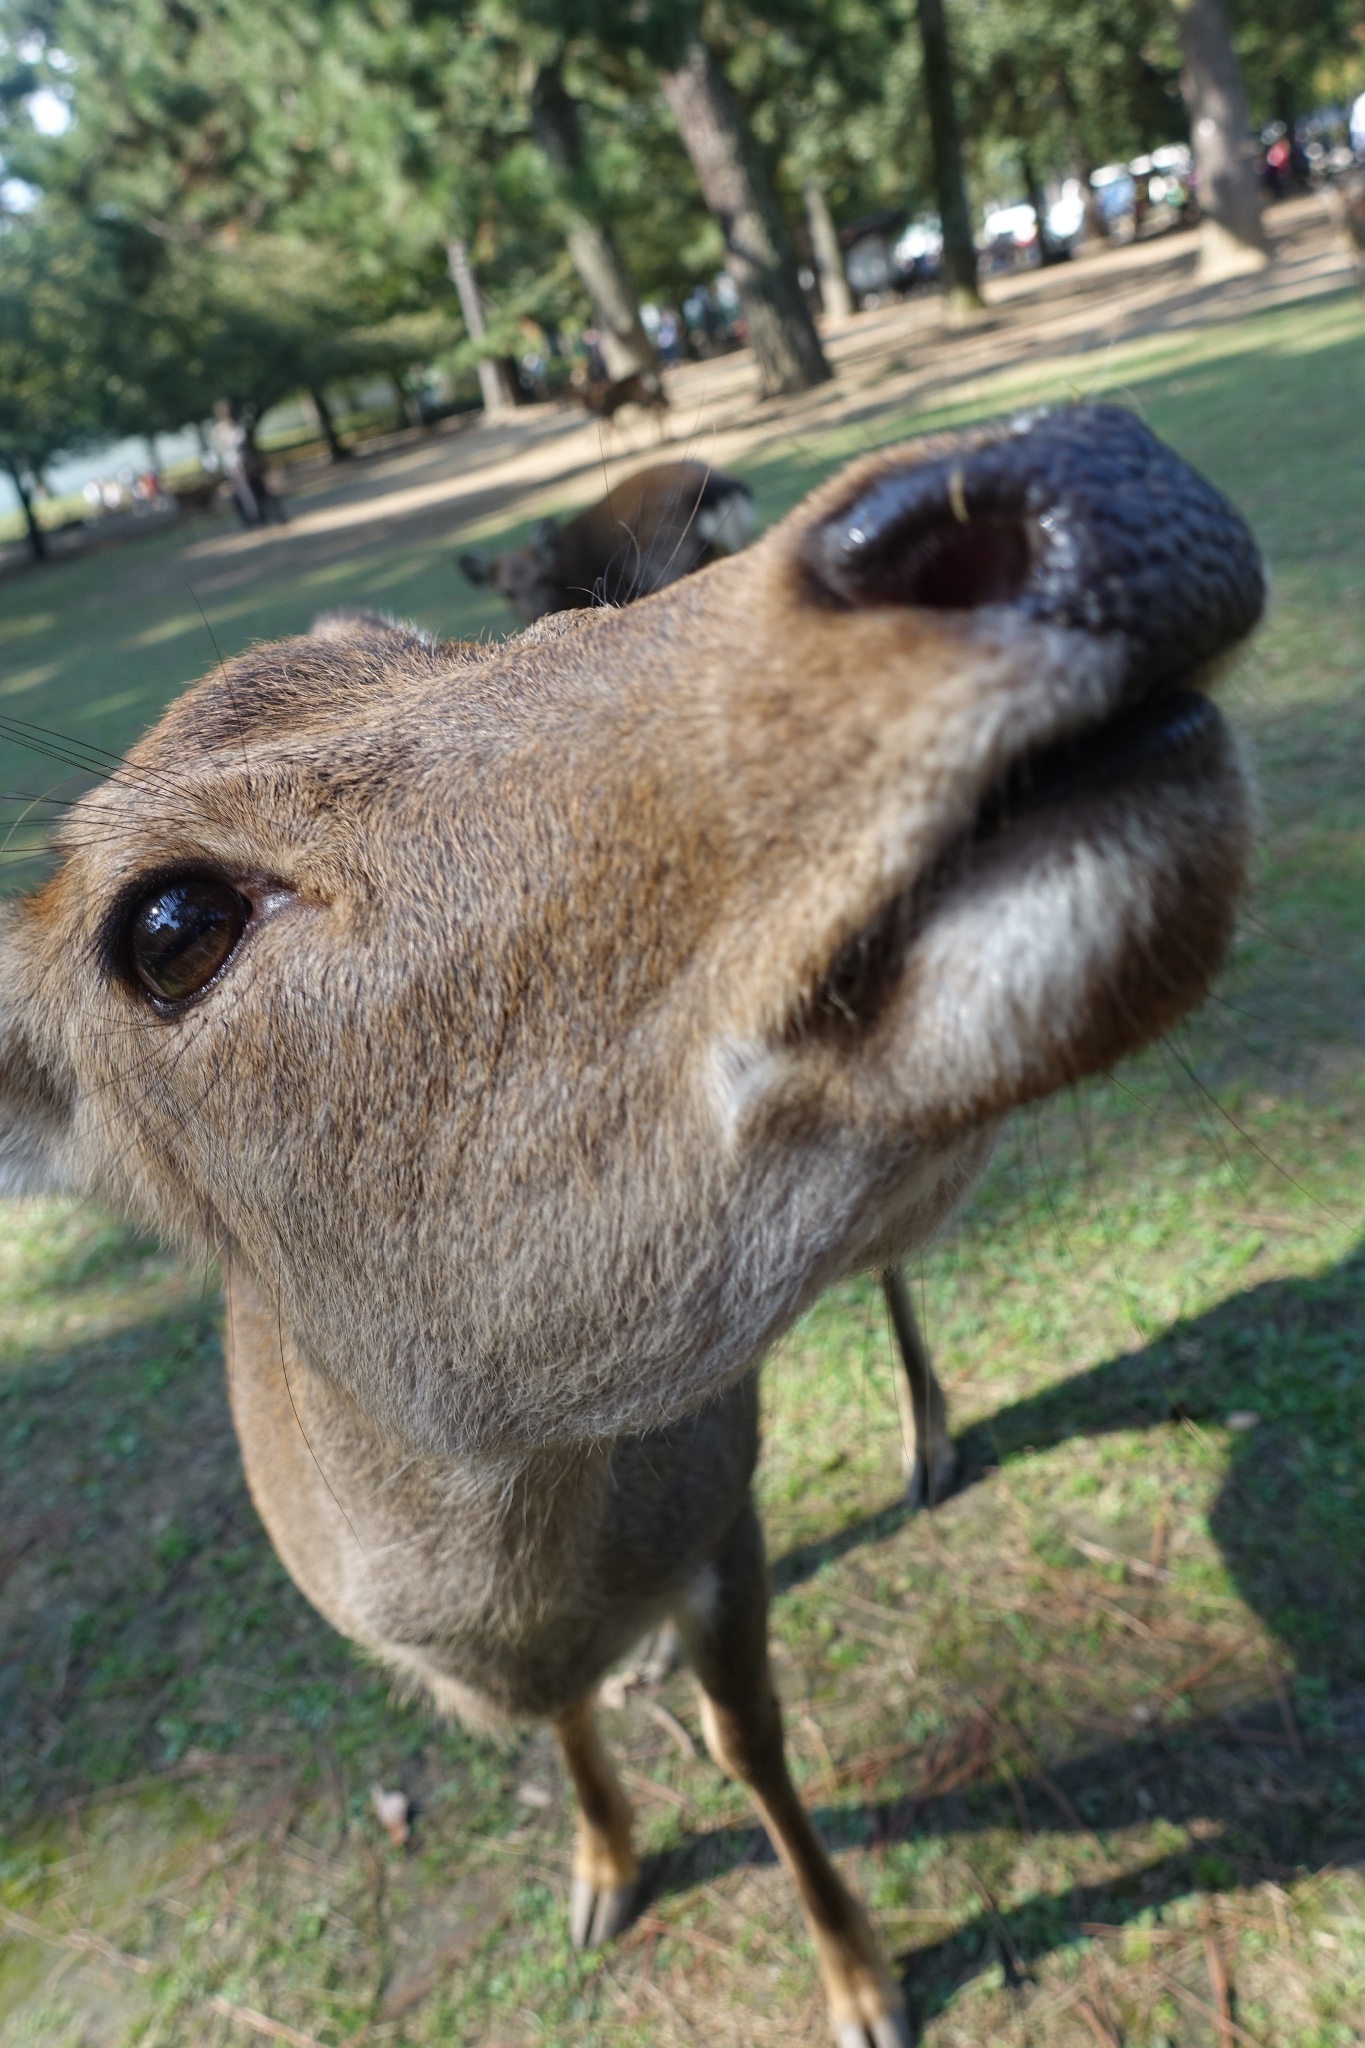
(184, 933)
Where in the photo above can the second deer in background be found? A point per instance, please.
(649, 531)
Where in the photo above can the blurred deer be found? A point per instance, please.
(650, 529)
(604, 397)
(536, 1030)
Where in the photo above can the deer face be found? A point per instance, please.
(529, 577)
(544, 1026)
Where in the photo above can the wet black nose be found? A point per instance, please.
(1074, 518)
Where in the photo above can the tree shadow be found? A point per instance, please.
(143, 1614)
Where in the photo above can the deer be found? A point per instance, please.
(535, 1030)
(650, 529)
(604, 397)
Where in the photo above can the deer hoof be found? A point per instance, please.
(932, 1480)
(892, 2030)
(598, 1916)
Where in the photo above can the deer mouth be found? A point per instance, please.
(1145, 768)
(1180, 725)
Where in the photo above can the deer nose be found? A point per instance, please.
(1078, 518)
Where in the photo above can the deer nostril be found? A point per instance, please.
(962, 566)
(925, 537)
(1079, 518)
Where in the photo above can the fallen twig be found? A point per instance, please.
(78, 1938)
(1286, 1704)
(653, 1790)
(198, 1763)
(1138, 1566)
(651, 1925)
(1103, 2034)
(672, 1727)
(1199, 1672)
(1202, 2005)
(409, 1991)
(261, 2023)
(1218, 1978)
(1049, 1784)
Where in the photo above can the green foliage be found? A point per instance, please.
(256, 196)
(63, 345)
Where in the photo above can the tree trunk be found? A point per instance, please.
(592, 246)
(1048, 252)
(960, 280)
(735, 185)
(499, 395)
(37, 539)
(1232, 234)
(835, 295)
(1096, 227)
(336, 447)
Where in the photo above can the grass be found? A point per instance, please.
(1090, 1738)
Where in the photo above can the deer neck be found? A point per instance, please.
(360, 1520)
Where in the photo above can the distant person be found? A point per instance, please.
(243, 465)
(597, 362)
(670, 336)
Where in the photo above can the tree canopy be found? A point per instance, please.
(259, 196)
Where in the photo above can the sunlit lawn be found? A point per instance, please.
(1079, 1791)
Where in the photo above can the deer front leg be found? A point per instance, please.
(606, 1873)
(725, 1631)
(928, 1450)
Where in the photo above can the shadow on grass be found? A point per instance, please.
(1259, 1810)
(137, 1593)
(1290, 1521)
(1290, 1516)
(143, 1614)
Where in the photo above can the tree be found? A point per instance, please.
(592, 245)
(728, 163)
(287, 161)
(1232, 235)
(736, 188)
(831, 89)
(63, 336)
(961, 287)
(1063, 85)
(835, 295)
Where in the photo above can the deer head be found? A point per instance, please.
(544, 1025)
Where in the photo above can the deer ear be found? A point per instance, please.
(545, 543)
(35, 1104)
(477, 566)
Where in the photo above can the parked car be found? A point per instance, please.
(917, 255)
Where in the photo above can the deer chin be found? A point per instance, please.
(1083, 911)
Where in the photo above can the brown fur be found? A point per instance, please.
(605, 996)
(604, 397)
(647, 532)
